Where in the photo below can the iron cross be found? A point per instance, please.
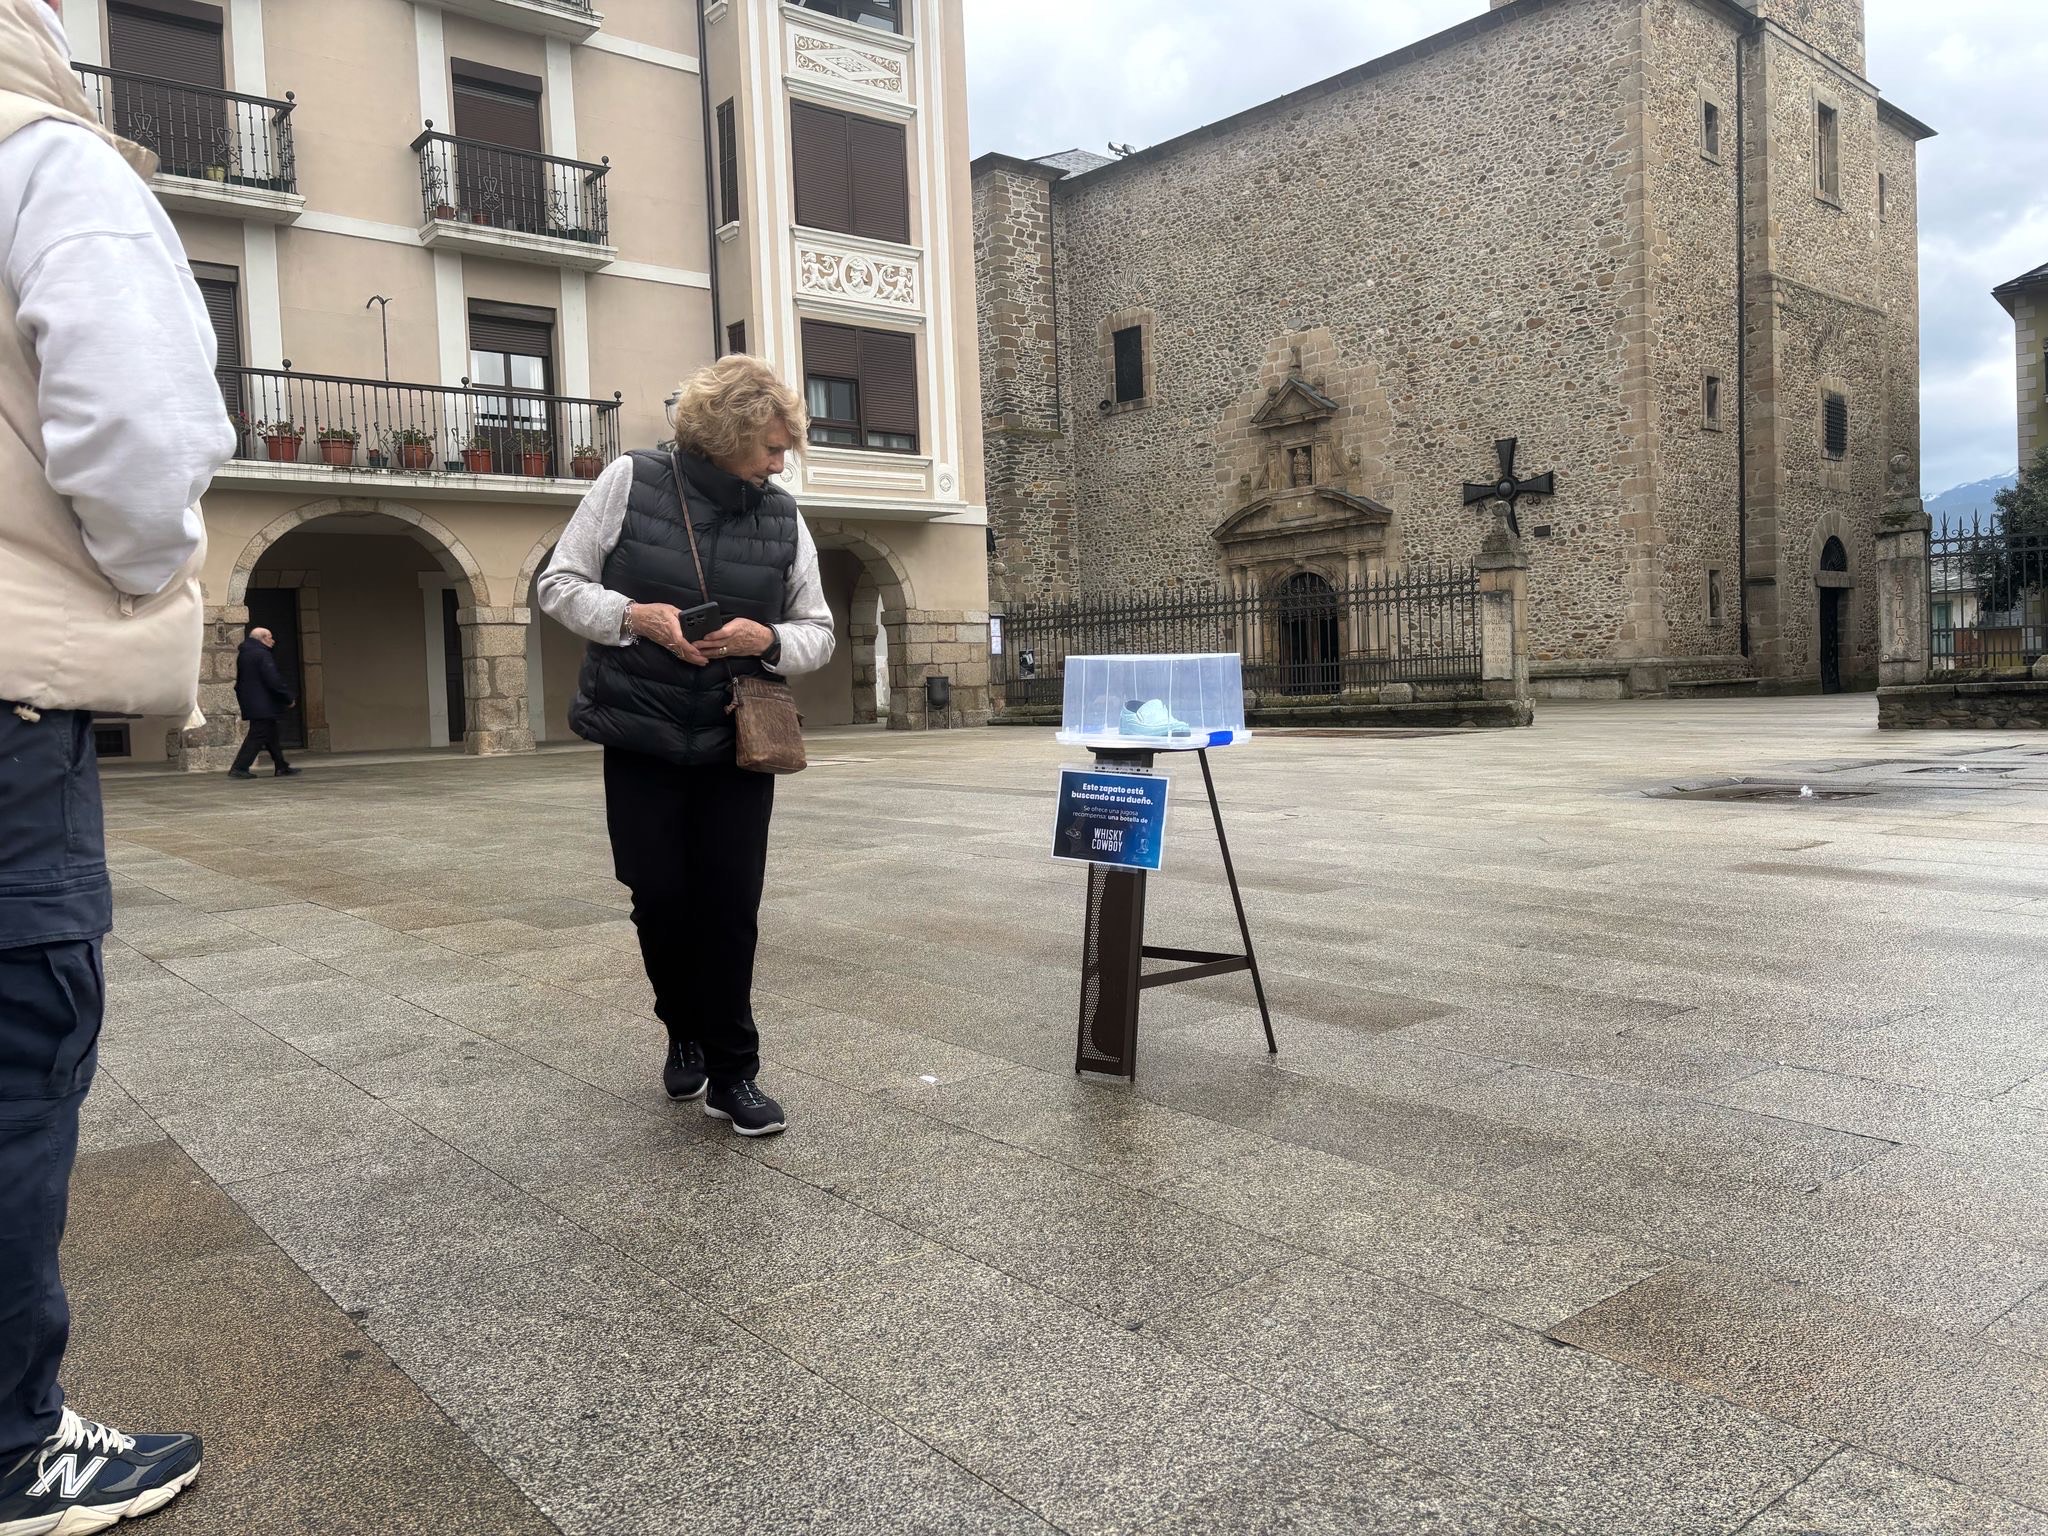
(1507, 488)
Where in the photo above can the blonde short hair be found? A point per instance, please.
(725, 409)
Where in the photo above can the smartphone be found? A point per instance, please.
(700, 621)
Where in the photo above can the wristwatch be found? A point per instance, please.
(774, 652)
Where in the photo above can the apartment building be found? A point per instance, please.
(458, 254)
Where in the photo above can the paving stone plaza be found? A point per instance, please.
(1633, 1163)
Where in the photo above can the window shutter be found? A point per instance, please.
(496, 115)
(880, 161)
(728, 166)
(818, 152)
(224, 310)
(832, 350)
(888, 382)
(736, 337)
(1837, 426)
(148, 42)
(1129, 345)
(503, 333)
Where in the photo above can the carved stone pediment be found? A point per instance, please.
(1320, 509)
(1293, 404)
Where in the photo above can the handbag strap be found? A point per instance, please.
(683, 502)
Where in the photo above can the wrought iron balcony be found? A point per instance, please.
(293, 425)
(218, 151)
(512, 202)
(573, 19)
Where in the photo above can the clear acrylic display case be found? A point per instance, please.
(1154, 703)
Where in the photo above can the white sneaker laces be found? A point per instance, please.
(75, 1433)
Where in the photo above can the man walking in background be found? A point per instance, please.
(265, 698)
(111, 425)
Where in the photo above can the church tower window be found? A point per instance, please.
(1711, 402)
(1710, 130)
(1827, 152)
(1835, 425)
(1128, 346)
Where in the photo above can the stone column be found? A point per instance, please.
(1903, 633)
(213, 744)
(494, 680)
(1503, 568)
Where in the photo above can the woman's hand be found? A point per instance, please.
(737, 637)
(662, 623)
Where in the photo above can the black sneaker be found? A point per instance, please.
(682, 1071)
(282, 773)
(240, 773)
(751, 1111)
(87, 1476)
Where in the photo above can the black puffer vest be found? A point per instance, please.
(639, 696)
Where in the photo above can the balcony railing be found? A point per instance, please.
(198, 132)
(467, 181)
(286, 417)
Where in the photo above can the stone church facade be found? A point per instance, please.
(1668, 245)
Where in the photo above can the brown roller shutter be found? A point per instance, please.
(832, 350)
(496, 115)
(224, 309)
(880, 160)
(520, 336)
(888, 382)
(818, 157)
(146, 41)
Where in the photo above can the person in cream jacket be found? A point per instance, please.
(111, 425)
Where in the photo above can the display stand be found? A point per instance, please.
(1114, 951)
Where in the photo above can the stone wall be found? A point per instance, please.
(2018, 703)
(1833, 26)
(1487, 292)
(2030, 333)
(1029, 472)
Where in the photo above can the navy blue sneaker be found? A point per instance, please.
(87, 1477)
(751, 1111)
(682, 1071)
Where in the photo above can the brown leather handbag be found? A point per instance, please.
(768, 733)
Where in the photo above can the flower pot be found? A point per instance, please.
(217, 173)
(337, 451)
(534, 464)
(477, 460)
(379, 459)
(586, 466)
(415, 456)
(282, 449)
(444, 210)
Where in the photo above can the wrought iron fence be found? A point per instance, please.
(1302, 638)
(197, 131)
(286, 417)
(1987, 596)
(472, 182)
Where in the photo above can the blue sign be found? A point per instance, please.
(1111, 818)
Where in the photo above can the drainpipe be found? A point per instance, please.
(1742, 41)
(710, 188)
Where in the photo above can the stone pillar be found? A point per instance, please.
(938, 642)
(494, 680)
(213, 744)
(1904, 635)
(1503, 568)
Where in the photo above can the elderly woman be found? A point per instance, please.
(689, 827)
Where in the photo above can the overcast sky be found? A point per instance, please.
(1058, 73)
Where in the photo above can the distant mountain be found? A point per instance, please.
(1960, 504)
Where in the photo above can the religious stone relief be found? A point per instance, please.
(859, 277)
(837, 63)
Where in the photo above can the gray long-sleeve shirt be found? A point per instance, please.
(573, 593)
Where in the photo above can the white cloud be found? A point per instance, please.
(1058, 74)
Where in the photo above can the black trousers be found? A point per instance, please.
(262, 737)
(691, 844)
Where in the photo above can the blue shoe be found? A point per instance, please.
(1151, 718)
(87, 1477)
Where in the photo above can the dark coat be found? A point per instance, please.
(260, 688)
(641, 697)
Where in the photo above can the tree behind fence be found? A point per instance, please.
(1301, 637)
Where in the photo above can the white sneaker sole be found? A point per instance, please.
(718, 1114)
(82, 1519)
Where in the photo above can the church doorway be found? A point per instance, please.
(1310, 645)
(1833, 610)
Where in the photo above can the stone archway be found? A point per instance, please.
(879, 629)
(554, 655)
(485, 664)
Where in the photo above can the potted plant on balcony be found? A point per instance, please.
(586, 463)
(477, 456)
(338, 446)
(411, 448)
(533, 452)
(281, 439)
